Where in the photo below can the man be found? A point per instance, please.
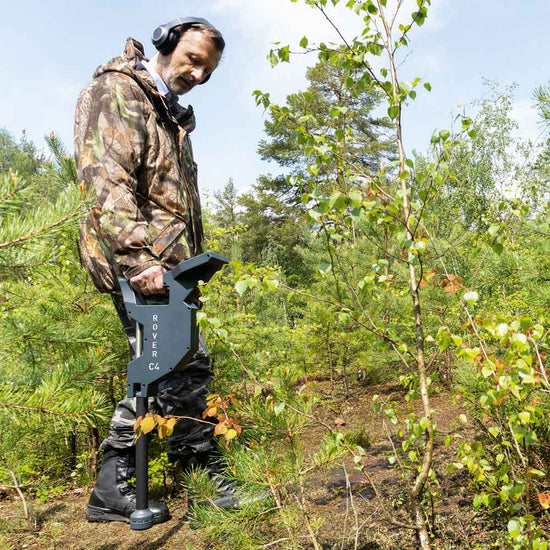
(134, 156)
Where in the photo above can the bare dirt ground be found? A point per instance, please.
(371, 504)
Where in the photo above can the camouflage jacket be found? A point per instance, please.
(133, 155)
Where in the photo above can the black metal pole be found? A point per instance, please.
(142, 481)
(142, 517)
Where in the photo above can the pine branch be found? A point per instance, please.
(42, 230)
(13, 191)
(57, 398)
(43, 410)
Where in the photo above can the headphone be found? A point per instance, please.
(165, 38)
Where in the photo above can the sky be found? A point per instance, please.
(50, 50)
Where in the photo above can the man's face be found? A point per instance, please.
(193, 59)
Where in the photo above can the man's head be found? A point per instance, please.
(197, 52)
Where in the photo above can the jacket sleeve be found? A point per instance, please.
(110, 140)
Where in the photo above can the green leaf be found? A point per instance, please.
(519, 341)
(376, 48)
(356, 199)
(304, 42)
(371, 8)
(344, 318)
(393, 111)
(471, 297)
(271, 284)
(241, 286)
(315, 214)
(443, 338)
(272, 58)
(341, 203)
(514, 528)
(428, 86)
(313, 169)
(487, 371)
(457, 340)
(468, 353)
(527, 378)
(502, 329)
(324, 268)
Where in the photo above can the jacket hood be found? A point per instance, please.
(129, 63)
(126, 62)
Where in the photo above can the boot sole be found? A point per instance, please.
(95, 514)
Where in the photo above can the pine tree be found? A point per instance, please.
(274, 208)
(57, 355)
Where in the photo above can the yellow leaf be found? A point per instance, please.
(544, 499)
(212, 411)
(220, 429)
(162, 431)
(230, 434)
(147, 424)
(171, 422)
(159, 419)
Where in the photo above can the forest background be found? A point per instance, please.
(356, 265)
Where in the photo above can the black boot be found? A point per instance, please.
(113, 499)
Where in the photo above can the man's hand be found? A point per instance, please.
(149, 281)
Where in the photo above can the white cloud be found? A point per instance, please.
(439, 14)
(283, 20)
(263, 22)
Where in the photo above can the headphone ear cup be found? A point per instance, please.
(159, 36)
(169, 44)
